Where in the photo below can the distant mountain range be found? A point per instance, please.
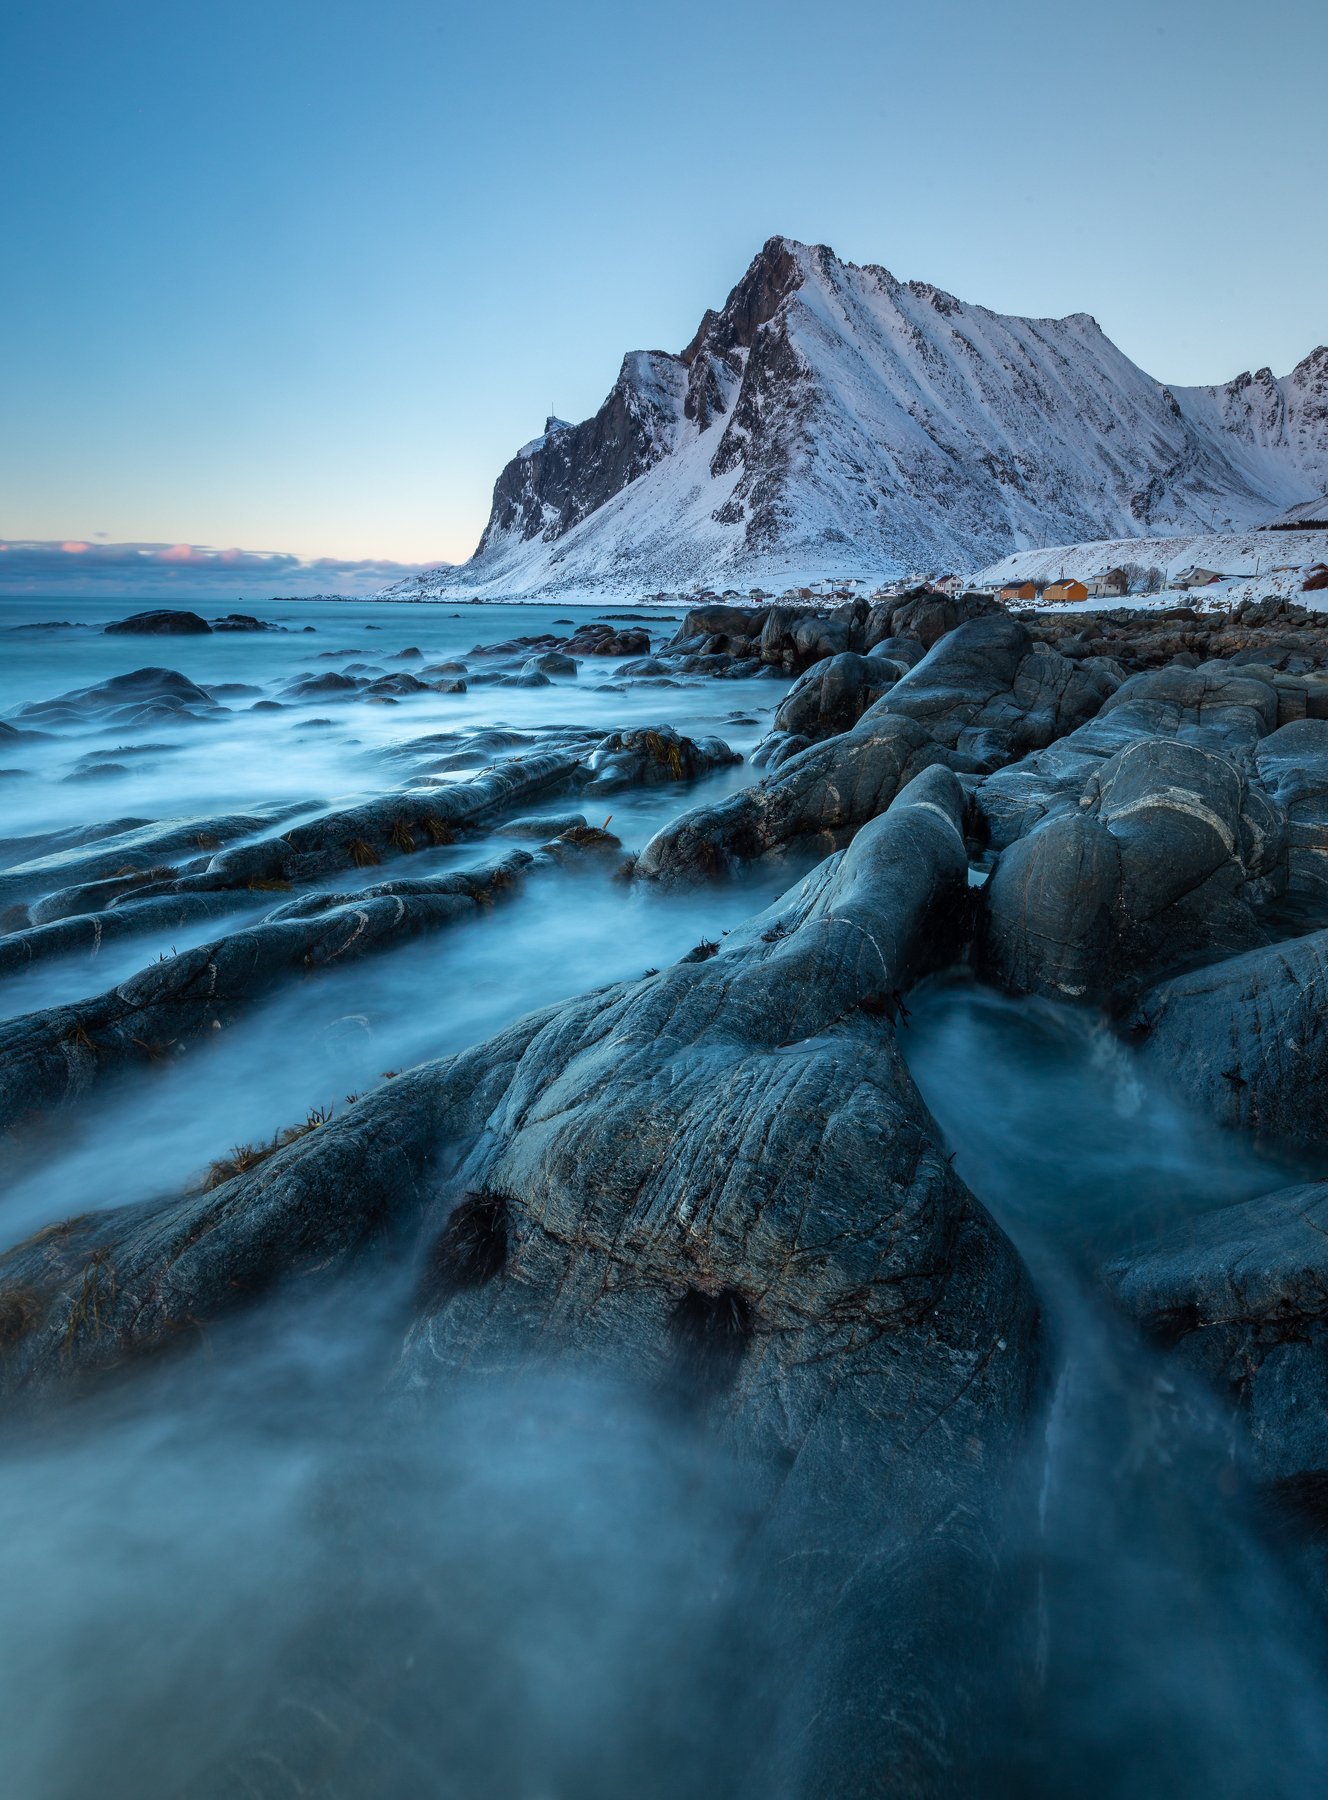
(832, 421)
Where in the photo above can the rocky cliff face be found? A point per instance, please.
(833, 420)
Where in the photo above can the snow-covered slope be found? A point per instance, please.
(832, 421)
(1252, 564)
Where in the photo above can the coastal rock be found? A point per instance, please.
(1168, 853)
(550, 662)
(834, 693)
(163, 622)
(1246, 1040)
(1213, 706)
(144, 697)
(651, 754)
(246, 622)
(608, 640)
(1292, 765)
(927, 615)
(1239, 1299)
(73, 859)
(983, 695)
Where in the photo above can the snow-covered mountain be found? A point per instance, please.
(832, 421)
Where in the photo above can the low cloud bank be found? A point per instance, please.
(38, 566)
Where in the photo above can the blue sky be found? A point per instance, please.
(300, 277)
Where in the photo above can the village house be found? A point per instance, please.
(1196, 577)
(1109, 586)
(1067, 588)
(1017, 590)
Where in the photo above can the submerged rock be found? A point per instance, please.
(142, 697)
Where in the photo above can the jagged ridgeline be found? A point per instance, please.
(636, 1385)
(830, 420)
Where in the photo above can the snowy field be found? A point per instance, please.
(1253, 564)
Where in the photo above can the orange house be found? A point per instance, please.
(1065, 590)
(1017, 590)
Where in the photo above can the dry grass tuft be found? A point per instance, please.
(245, 1157)
(666, 752)
(591, 837)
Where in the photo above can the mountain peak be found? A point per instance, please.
(829, 419)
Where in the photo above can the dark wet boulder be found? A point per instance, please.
(608, 640)
(51, 1058)
(989, 693)
(527, 678)
(97, 771)
(733, 629)
(905, 650)
(402, 682)
(244, 622)
(520, 646)
(330, 685)
(927, 616)
(1246, 1040)
(795, 637)
(716, 1184)
(1168, 854)
(54, 843)
(815, 800)
(833, 694)
(393, 824)
(542, 827)
(550, 662)
(164, 622)
(88, 932)
(1239, 1299)
(651, 754)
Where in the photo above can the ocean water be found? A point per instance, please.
(567, 930)
(532, 1594)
